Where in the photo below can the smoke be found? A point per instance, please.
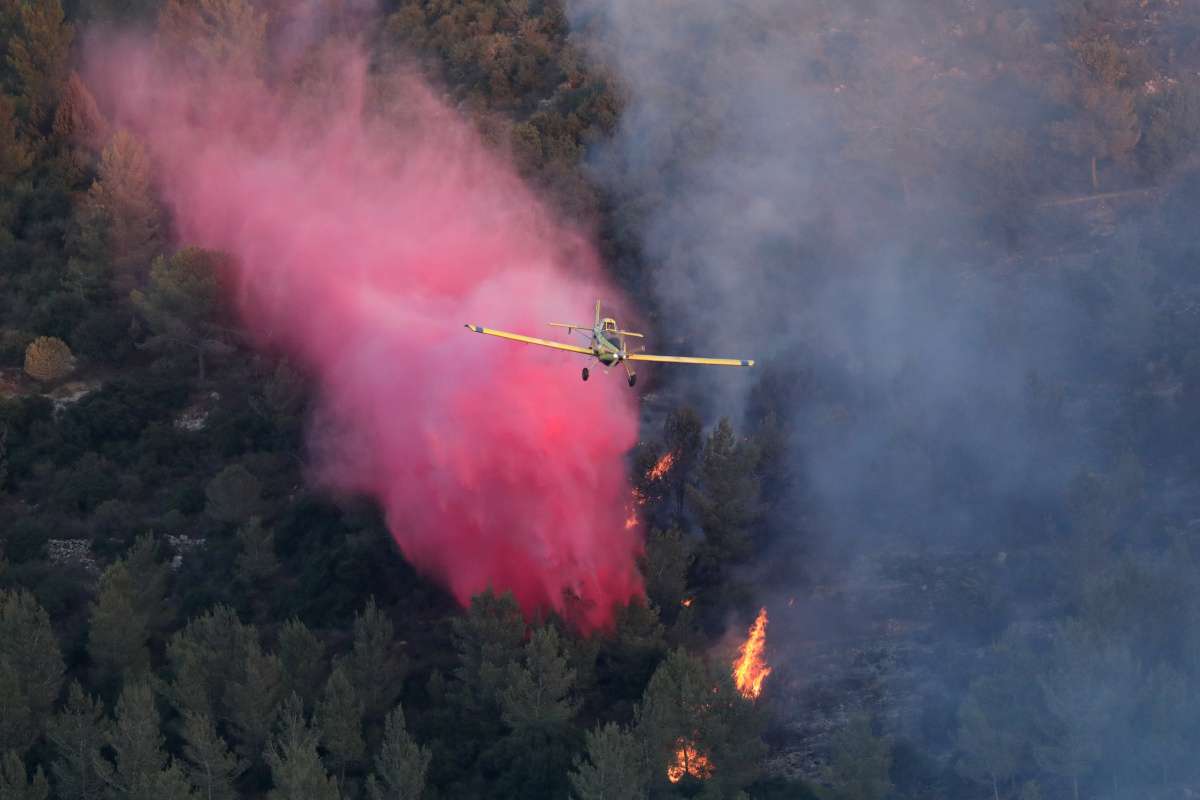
(366, 224)
(862, 196)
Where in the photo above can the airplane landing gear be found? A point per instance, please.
(632, 380)
(585, 373)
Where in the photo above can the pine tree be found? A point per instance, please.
(487, 639)
(296, 768)
(257, 563)
(77, 733)
(209, 765)
(374, 666)
(256, 566)
(206, 657)
(136, 773)
(537, 707)
(180, 306)
(252, 701)
(16, 718)
(118, 635)
(28, 645)
(121, 202)
(15, 784)
(727, 501)
(688, 705)
(400, 765)
(39, 54)
(227, 34)
(339, 721)
(861, 762)
(991, 748)
(1089, 688)
(234, 495)
(302, 655)
(614, 768)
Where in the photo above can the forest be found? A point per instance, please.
(959, 238)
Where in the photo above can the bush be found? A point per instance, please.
(47, 358)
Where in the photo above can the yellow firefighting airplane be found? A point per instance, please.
(606, 344)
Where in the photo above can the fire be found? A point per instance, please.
(661, 467)
(689, 761)
(631, 521)
(750, 670)
(687, 602)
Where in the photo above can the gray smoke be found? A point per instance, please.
(864, 196)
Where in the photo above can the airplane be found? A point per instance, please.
(606, 344)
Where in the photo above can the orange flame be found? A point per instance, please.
(631, 521)
(750, 670)
(689, 761)
(661, 467)
(687, 602)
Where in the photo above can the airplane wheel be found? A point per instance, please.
(632, 380)
(585, 373)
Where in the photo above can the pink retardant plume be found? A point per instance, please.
(366, 223)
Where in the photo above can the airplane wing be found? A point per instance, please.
(516, 337)
(720, 362)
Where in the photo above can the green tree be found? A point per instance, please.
(990, 745)
(252, 700)
(614, 768)
(206, 657)
(860, 762)
(15, 783)
(118, 634)
(257, 566)
(140, 769)
(208, 764)
(537, 706)
(296, 768)
(77, 733)
(180, 306)
(28, 645)
(726, 503)
(688, 704)
(683, 436)
(338, 719)
(400, 765)
(302, 656)
(665, 567)
(1089, 686)
(234, 495)
(16, 718)
(375, 666)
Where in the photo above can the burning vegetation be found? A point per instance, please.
(661, 467)
(750, 669)
(689, 761)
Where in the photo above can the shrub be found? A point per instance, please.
(47, 358)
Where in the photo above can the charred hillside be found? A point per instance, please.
(266, 530)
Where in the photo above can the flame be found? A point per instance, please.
(750, 670)
(687, 602)
(689, 761)
(661, 467)
(631, 521)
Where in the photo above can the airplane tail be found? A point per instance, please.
(597, 322)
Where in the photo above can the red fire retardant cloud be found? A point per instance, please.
(366, 226)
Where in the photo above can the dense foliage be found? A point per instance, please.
(182, 616)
